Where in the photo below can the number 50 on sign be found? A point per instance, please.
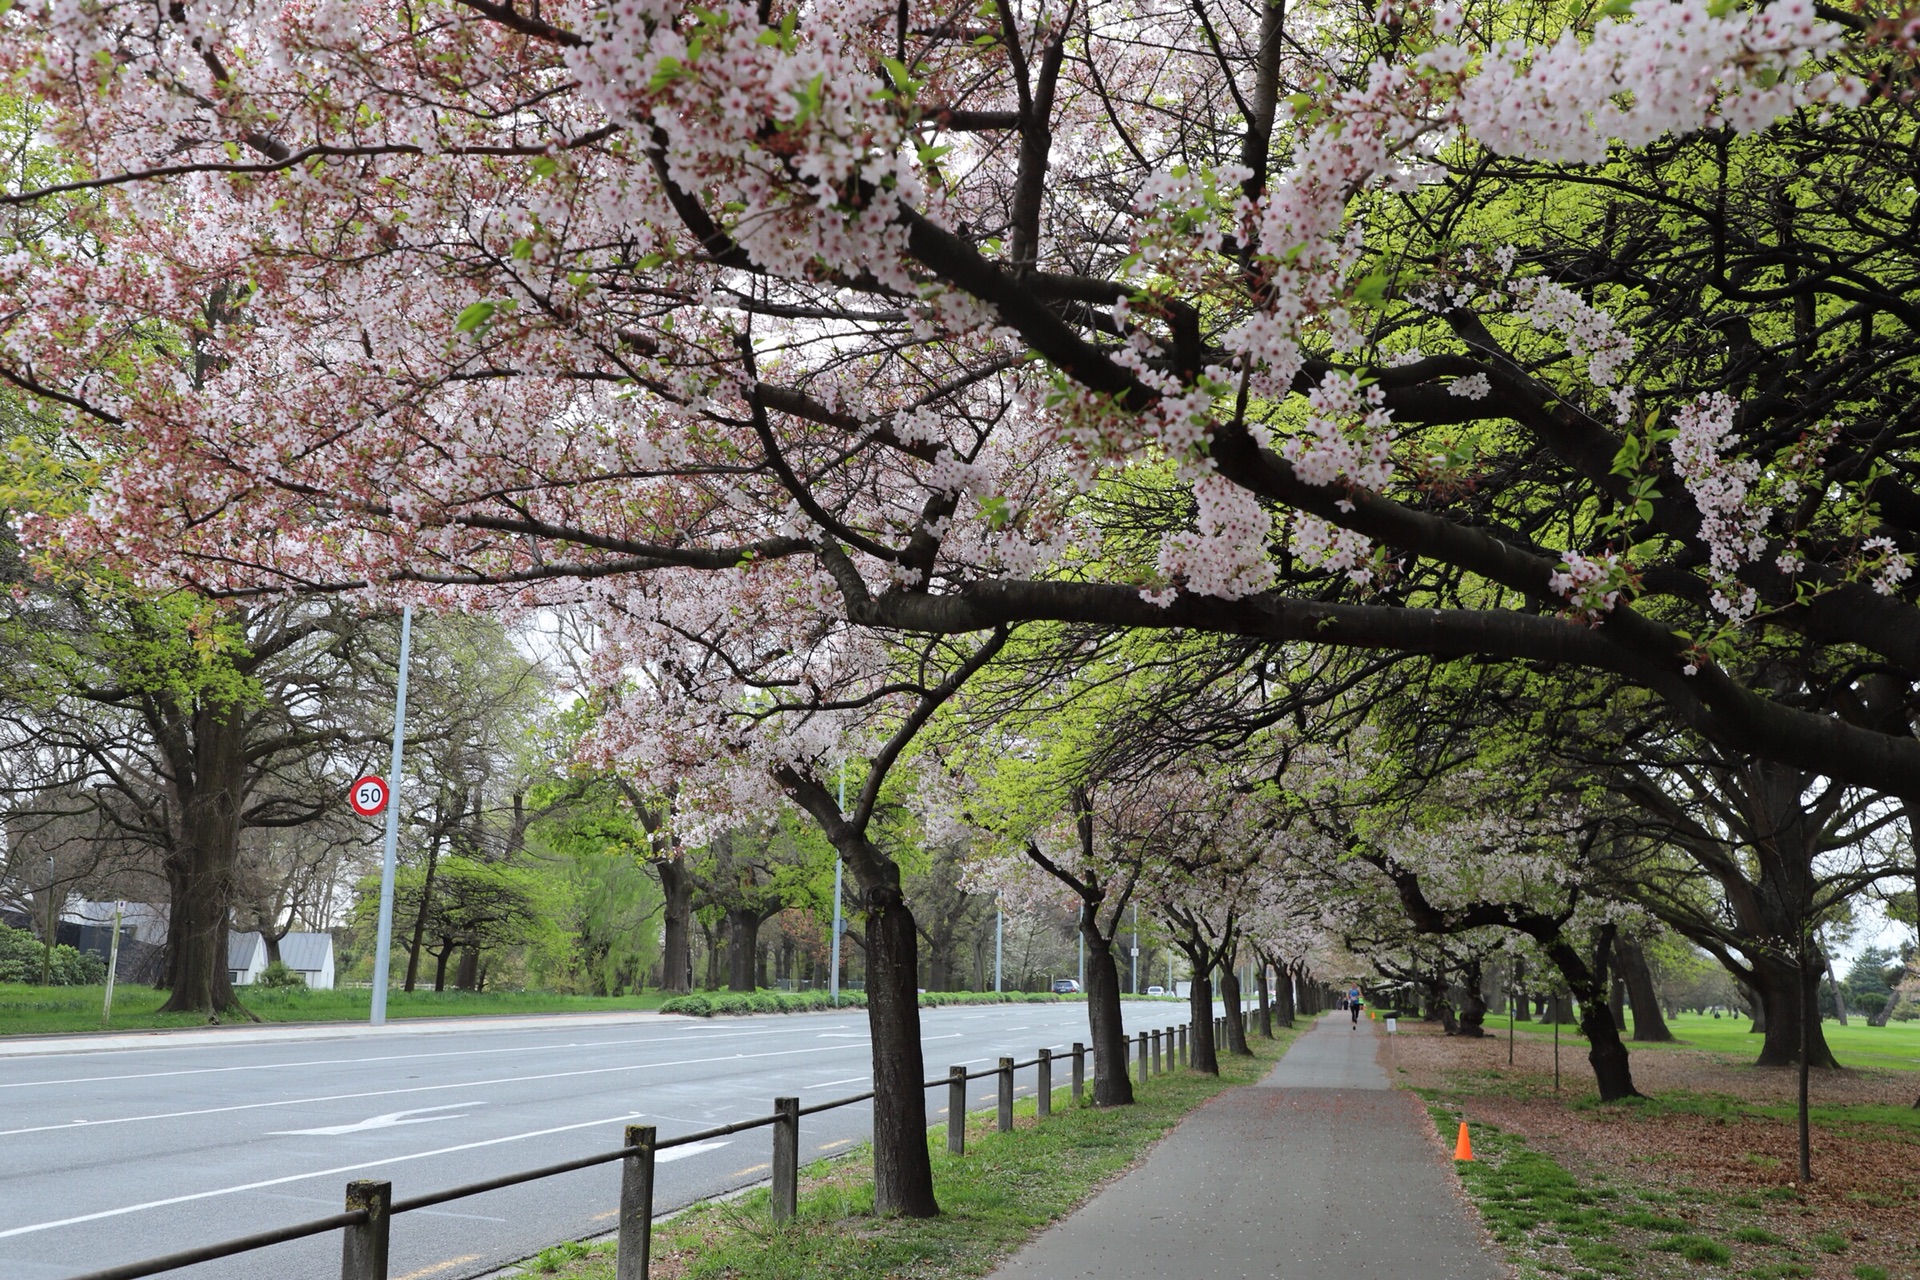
(368, 795)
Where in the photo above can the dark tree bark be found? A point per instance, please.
(1473, 1011)
(676, 949)
(902, 1172)
(1112, 1086)
(467, 976)
(1283, 998)
(1266, 1001)
(1236, 1019)
(1648, 1022)
(209, 757)
(420, 916)
(1200, 1053)
(1786, 991)
(743, 942)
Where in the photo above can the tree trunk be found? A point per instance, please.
(1839, 997)
(1786, 991)
(676, 950)
(902, 1167)
(1266, 1002)
(743, 940)
(1612, 1072)
(440, 964)
(1201, 1055)
(467, 976)
(1473, 1014)
(1617, 1001)
(209, 789)
(420, 916)
(1612, 1069)
(1283, 998)
(1648, 1024)
(1236, 1018)
(1112, 1086)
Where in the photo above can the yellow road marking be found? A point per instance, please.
(741, 1173)
(438, 1267)
(828, 1146)
(602, 1217)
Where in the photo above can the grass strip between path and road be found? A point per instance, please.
(1004, 1190)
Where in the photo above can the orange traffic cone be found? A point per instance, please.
(1463, 1148)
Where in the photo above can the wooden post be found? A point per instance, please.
(1043, 1096)
(1006, 1095)
(1184, 1028)
(635, 1245)
(957, 1110)
(1156, 1052)
(363, 1249)
(786, 1158)
(1143, 1057)
(1079, 1072)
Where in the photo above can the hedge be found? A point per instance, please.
(707, 1004)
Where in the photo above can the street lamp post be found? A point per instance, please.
(999, 934)
(833, 969)
(381, 959)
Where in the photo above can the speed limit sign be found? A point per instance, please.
(368, 795)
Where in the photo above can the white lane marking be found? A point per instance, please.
(424, 1088)
(827, 1084)
(843, 1035)
(691, 1149)
(387, 1057)
(417, 1115)
(33, 1227)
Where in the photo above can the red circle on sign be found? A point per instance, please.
(368, 795)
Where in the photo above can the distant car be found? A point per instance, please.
(1156, 991)
(1065, 987)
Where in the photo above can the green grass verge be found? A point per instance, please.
(34, 1010)
(1006, 1188)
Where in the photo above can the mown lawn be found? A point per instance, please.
(1002, 1191)
(33, 1010)
(1894, 1047)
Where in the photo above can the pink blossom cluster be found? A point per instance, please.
(1674, 67)
(1589, 584)
(1226, 554)
(1733, 521)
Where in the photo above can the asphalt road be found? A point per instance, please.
(112, 1151)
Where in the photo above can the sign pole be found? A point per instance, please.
(381, 960)
(113, 966)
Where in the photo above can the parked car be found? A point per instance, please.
(1156, 991)
(1065, 987)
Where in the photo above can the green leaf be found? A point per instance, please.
(544, 166)
(522, 249)
(1616, 8)
(1372, 289)
(474, 316)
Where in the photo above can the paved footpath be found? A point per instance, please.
(1319, 1172)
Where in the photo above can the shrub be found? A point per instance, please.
(277, 976)
(24, 959)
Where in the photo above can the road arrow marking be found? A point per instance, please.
(392, 1119)
(691, 1149)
